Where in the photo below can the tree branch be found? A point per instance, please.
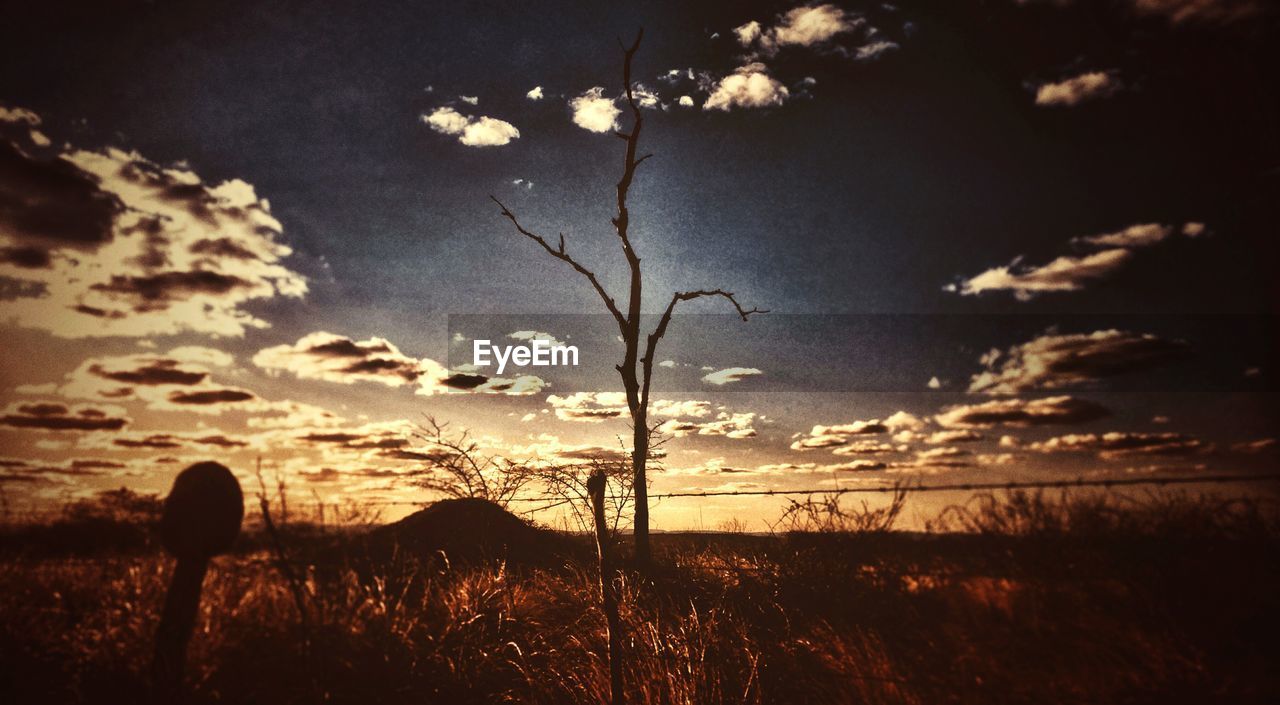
(661, 330)
(622, 220)
(562, 255)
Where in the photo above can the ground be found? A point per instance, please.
(1017, 602)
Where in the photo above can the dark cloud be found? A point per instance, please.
(99, 312)
(342, 438)
(26, 257)
(346, 347)
(52, 201)
(220, 441)
(375, 366)
(321, 475)
(593, 414)
(206, 397)
(158, 440)
(1022, 412)
(417, 455)
(1116, 444)
(93, 464)
(167, 287)
(337, 358)
(152, 372)
(53, 416)
(222, 247)
(358, 441)
(1052, 361)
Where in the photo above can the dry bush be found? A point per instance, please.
(827, 514)
(459, 467)
(1168, 513)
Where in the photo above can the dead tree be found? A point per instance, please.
(636, 369)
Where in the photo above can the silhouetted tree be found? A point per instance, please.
(636, 369)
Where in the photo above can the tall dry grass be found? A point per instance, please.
(1170, 599)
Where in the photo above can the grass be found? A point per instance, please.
(1014, 598)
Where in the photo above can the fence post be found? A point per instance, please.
(608, 591)
(201, 519)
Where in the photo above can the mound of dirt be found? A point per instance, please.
(468, 531)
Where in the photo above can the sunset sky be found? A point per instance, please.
(1005, 240)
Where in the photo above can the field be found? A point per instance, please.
(1019, 598)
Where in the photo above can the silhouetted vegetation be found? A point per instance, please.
(1017, 597)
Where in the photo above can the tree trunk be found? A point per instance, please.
(640, 486)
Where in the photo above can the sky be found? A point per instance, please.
(1003, 240)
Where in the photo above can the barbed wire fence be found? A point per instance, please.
(547, 503)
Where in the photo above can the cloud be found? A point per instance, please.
(749, 86)
(1052, 361)
(111, 244)
(56, 416)
(861, 465)
(843, 438)
(595, 407)
(483, 131)
(209, 397)
(547, 448)
(821, 27)
(805, 26)
(447, 121)
(686, 407)
(748, 33)
(857, 428)
(735, 425)
(904, 421)
(1078, 89)
(592, 111)
(873, 50)
(180, 380)
(535, 93)
(172, 441)
(336, 358)
(867, 447)
(687, 417)
(1071, 272)
(521, 386)
(730, 375)
(591, 407)
(16, 116)
(1066, 273)
(1115, 444)
(953, 436)
(943, 452)
(1141, 235)
(1257, 446)
(1220, 12)
(1022, 412)
(531, 335)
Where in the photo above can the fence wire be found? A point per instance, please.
(552, 502)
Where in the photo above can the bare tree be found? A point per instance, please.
(566, 484)
(636, 369)
(458, 467)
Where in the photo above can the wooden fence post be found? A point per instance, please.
(608, 591)
(201, 518)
